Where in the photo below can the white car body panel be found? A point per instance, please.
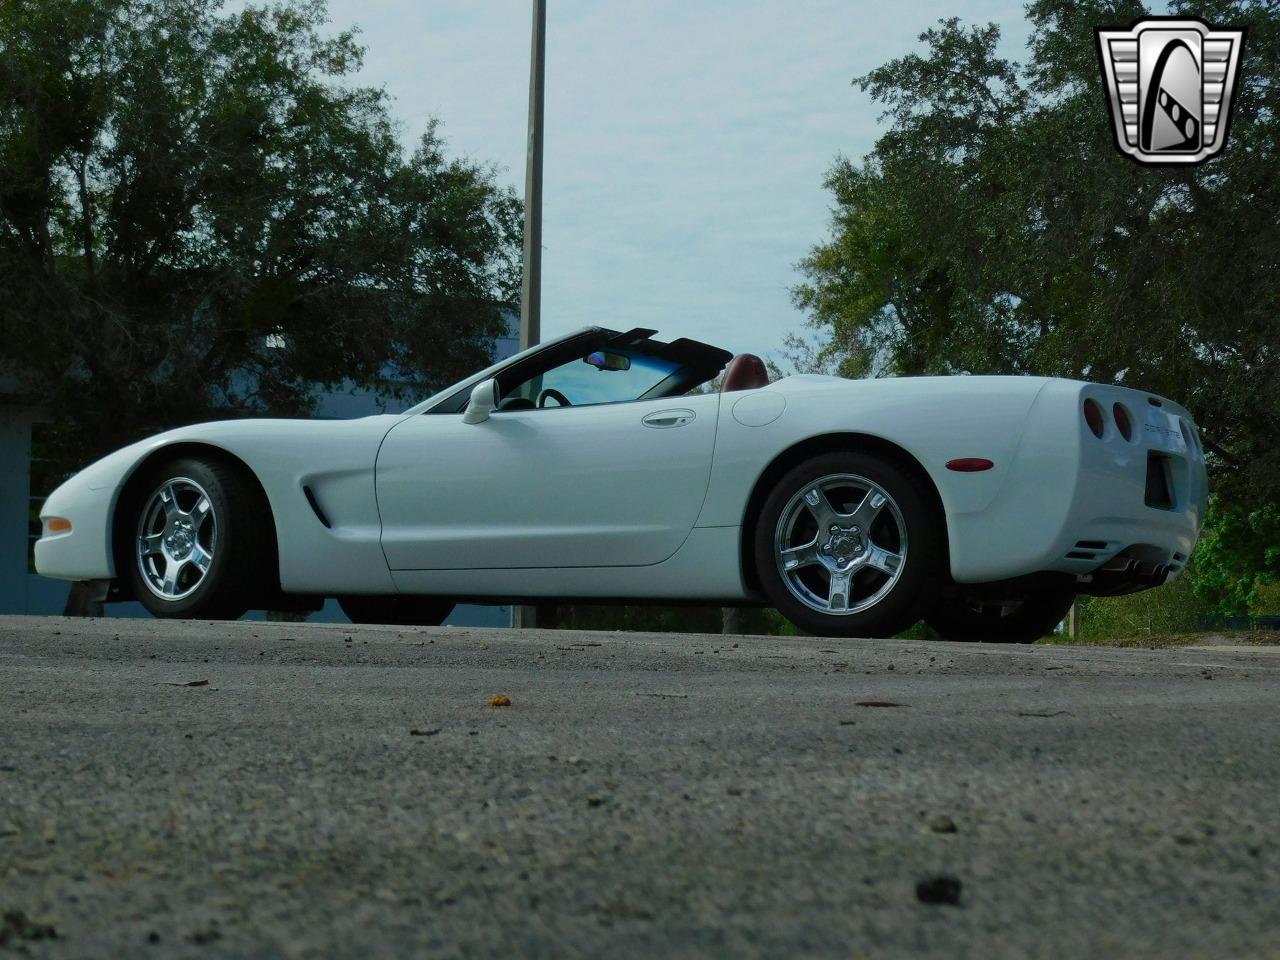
(933, 419)
(588, 501)
(599, 475)
(335, 458)
(705, 567)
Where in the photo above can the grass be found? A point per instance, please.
(1158, 641)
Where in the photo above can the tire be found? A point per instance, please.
(196, 541)
(868, 511)
(397, 611)
(1025, 617)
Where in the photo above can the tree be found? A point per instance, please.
(1238, 555)
(199, 217)
(994, 228)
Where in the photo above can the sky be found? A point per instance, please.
(686, 142)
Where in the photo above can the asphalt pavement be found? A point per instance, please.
(291, 790)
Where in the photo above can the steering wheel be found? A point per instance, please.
(551, 393)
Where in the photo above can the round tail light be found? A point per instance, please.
(1093, 416)
(1124, 422)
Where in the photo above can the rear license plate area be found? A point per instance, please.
(1159, 492)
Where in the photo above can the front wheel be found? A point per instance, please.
(196, 540)
(396, 610)
(849, 545)
(1026, 615)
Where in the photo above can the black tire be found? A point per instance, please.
(236, 531)
(1028, 614)
(918, 575)
(397, 611)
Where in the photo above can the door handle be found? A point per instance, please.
(661, 419)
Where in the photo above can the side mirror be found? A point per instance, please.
(484, 398)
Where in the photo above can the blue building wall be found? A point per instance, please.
(15, 496)
(23, 592)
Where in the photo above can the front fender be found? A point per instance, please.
(333, 458)
(84, 552)
(88, 500)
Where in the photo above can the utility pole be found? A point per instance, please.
(531, 280)
(531, 283)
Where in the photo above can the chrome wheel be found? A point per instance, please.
(840, 544)
(176, 540)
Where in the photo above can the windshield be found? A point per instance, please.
(593, 366)
(581, 382)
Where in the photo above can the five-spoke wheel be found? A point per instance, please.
(840, 544)
(848, 544)
(177, 539)
(195, 538)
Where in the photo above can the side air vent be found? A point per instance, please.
(1091, 544)
(315, 506)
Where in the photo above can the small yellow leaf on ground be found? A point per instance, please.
(500, 701)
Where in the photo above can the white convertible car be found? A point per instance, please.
(601, 467)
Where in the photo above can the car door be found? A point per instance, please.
(589, 486)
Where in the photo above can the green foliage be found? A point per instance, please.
(1239, 553)
(1266, 601)
(995, 229)
(198, 216)
(1163, 611)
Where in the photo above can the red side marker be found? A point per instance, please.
(970, 464)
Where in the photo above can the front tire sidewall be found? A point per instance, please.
(918, 584)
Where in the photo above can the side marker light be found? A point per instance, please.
(970, 465)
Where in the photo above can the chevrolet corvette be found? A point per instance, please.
(610, 466)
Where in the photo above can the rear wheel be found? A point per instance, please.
(197, 541)
(847, 545)
(1028, 613)
(396, 610)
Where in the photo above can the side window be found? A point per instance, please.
(591, 380)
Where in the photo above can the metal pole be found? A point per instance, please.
(531, 280)
(531, 284)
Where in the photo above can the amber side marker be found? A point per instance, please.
(57, 525)
(970, 465)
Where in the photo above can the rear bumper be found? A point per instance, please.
(1078, 504)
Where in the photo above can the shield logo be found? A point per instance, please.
(1169, 83)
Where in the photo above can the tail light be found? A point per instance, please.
(1094, 417)
(1124, 422)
